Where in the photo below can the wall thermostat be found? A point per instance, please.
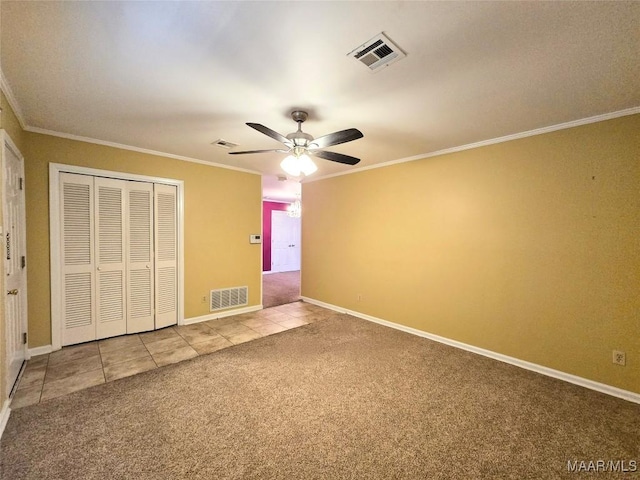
(255, 239)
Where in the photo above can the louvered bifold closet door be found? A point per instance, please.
(78, 257)
(111, 319)
(166, 255)
(140, 267)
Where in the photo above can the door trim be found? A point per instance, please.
(54, 236)
(8, 144)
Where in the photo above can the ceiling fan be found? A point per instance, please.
(300, 145)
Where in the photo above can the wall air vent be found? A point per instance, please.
(377, 53)
(224, 144)
(228, 297)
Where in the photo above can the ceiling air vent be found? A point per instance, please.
(377, 53)
(224, 144)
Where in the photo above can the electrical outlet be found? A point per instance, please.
(204, 299)
(619, 358)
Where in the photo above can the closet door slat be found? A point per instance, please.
(166, 255)
(78, 256)
(140, 265)
(111, 288)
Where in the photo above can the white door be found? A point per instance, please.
(77, 258)
(115, 266)
(140, 266)
(111, 282)
(15, 262)
(166, 248)
(285, 242)
(111, 318)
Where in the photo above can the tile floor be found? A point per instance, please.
(81, 366)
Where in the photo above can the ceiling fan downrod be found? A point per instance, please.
(301, 140)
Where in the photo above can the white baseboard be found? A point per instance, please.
(227, 313)
(4, 416)
(34, 352)
(550, 372)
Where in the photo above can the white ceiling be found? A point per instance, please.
(175, 76)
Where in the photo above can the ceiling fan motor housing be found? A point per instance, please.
(300, 139)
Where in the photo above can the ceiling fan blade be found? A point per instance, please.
(336, 138)
(337, 157)
(257, 151)
(270, 133)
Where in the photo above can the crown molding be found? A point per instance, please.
(121, 146)
(493, 141)
(6, 88)
(15, 106)
(13, 103)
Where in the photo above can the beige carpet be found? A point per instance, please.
(280, 288)
(338, 399)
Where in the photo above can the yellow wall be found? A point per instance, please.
(222, 208)
(528, 248)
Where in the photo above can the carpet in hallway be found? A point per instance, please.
(280, 288)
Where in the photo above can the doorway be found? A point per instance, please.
(281, 255)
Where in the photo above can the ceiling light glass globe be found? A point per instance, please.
(295, 166)
(291, 165)
(306, 165)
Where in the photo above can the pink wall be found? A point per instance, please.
(267, 208)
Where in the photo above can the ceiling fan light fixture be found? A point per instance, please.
(297, 165)
(290, 165)
(306, 165)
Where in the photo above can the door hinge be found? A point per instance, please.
(21, 183)
(23, 261)
(24, 338)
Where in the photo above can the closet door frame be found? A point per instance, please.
(55, 169)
